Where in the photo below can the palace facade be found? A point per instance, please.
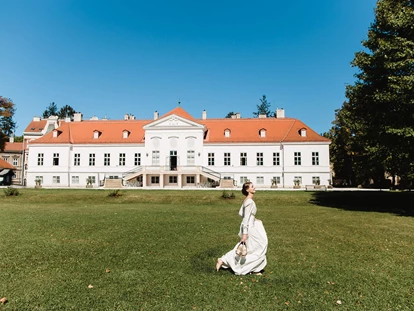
(176, 150)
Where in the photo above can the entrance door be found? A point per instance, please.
(173, 160)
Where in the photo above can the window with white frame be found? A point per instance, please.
(262, 133)
(172, 179)
(276, 179)
(56, 159)
(243, 158)
(276, 158)
(40, 157)
(226, 133)
(227, 161)
(122, 159)
(137, 159)
(243, 179)
(75, 179)
(315, 158)
(211, 158)
(155, 179)
(6, 159)
(91, 159)
(297, 180)
(107, 159)
(40, 178)
(155, 157)
(15, 161)
(316, 180)
(259, 158)
(297, 158)
(56, 179)
(76, 159)
(190, 157)
(260, 180)
(190, 179)
(92, 178)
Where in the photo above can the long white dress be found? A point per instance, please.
(256, 243)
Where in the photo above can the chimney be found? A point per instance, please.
(204, 115)
(262, 116)
(126, 117)
(132, 117)
(233, 116)
(36, 119)
(280, 113)
(77, 116)
(94, 118)
(237, 115)
(155, 115)
(11, 138)
(67, 119)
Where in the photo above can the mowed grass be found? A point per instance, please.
(156, 250)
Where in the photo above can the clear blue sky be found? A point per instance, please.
(108, 58)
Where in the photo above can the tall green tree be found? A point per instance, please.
(7, 124)
(230, 114)
(66, 111)
(381, 101)
(263, 108)
(51, 110)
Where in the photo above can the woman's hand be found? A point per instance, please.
(244, 238)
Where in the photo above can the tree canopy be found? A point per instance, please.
(7, 124)
(374, 129)
(63, 112)
(263, 108)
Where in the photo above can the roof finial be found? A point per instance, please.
(179, 102)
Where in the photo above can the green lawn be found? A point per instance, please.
(327, 251)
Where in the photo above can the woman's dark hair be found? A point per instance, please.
(246, 186)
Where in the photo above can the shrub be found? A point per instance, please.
(115, 193)
(228, 194)
(10, 192)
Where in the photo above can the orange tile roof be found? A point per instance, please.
(83, 132)
(8, 147)
(241, 131)
(4, 164)
(35, 126)
(179, 112)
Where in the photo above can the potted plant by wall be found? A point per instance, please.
(38, 182)
(296, 183)
(274, 183)
(317, 184)
(89, 182)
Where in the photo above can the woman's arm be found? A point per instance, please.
(246, 217)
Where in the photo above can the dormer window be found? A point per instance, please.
(56, 133)
(125, 133)
(302, 132)
(262, 133)
(96, 134)
(226, 133)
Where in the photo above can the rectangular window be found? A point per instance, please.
(56, 180)
(91, 159)
(92, 178)
(297, 158)
(40, 178)
(243, 158)
(6, 159)
(137, 159)
(76, 159)
(259, 158)
(15, 161)
(260, 180)
(315, 158)
(190, 179)
(155, 157)
(155, 179)
(190, 157)
(211, 159)
(276, 158)
(297, 180)
(172, 179)
(75, 179)
(56, 159)
(316, 180)
(107, 159)
(40, 157)
(227, 161)
(243, 179)
(122, 159)
(276, 180)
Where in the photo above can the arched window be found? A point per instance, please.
(227, 133)
(262, 133)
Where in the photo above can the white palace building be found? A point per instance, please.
(175, 150)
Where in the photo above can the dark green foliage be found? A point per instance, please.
(115, 193)
(7, 124)
(263, 108)
(228, 194)
(10, 192)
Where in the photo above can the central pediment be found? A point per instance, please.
(173, 121)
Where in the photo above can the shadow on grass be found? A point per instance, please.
(202, 262)
(398, 203)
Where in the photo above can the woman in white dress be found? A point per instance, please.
(253, 234)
